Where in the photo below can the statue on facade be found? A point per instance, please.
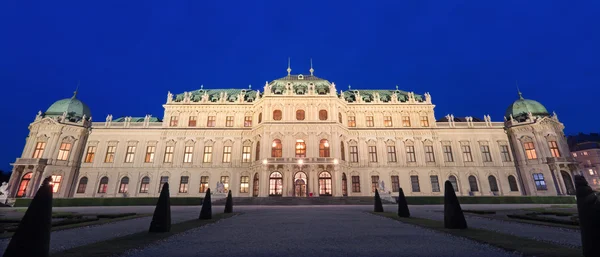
(109, 118)
(169, 97)
(530, 116)
(39, 115)
(220, 187)
(381, 186)
(3, 193)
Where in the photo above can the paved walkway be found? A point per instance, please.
(314, 231)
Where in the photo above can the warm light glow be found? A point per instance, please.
(300, 162)
(326, 144)
(265, 161)
(274, 144)
(335, 161)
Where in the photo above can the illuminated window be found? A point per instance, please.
(192, 121)
(405, 121)
(124, 185)
(323, 115)
(370, 121)
(530, 150)
(424, 121)
(540, 183)
(410, 154)
(325, 183)
(91, 152)
(207, 154)
(225, 181)
(244, 184)
(183, 184)
(485, 153)
(150, 154)
(130, 154)
(277, 115)
(55, 183)
(144, 185)
(211, 121)
(585, 153)
(188, 154)
(203, 184)
(63, 151)
(23, 185)
(353, 154)
(248, 121)
(372, 154)
(275, 184)
(467, 153)
(229, 121)
(387, 121)
(39, 150)
(300, 115)
(276, 149)
(391, 150)
(324, 148)
(168, 154)
(591, 171)
(110, 154)
(82, 185)
(554, 149)
(246, 153)
(173, 122)
(226, 154)
(300, 148)
(103, 185)
(351, 121)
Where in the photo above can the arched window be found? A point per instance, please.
(124, 185)
(275, 184)
(257, 151)
(255, 185)
(276, 149)
(259, 118)
(323, 115)
(277, 115)
(512, 183)
(300, 184)
(23, 185)
(344, 185)
(493, 183)
(300, 148)
(325, 183)
(343, 150)
(473, 184)
(324, 148)
(144, 185)
(454, 183)
(340, 117)
(300, 115)
(82, 185)
(103, 185)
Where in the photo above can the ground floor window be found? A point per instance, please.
(435, 183)
(414, 181)
(203, 184)
(163, 180)
(255, 185)
(56, 179)
(356, 184)
(103, 185)
(244, 184)
(540, 183)
(512, 183)
(374, 183)
(395, 184)
(276, 184)
(23, 185)
(82, 185)
(225, 182)
(344, 185)
(454, 183)
(144, 185)
(124, 184)
(183, 184)
(325, 183)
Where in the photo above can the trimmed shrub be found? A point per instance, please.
(206, 211)
(378, 204)
(403, 210)
(229, 203)
(589, 216)
(32, 237)
(161, 221)
(117, 201)
(453, 215)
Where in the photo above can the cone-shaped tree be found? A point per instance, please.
(453, 214)
(588, 207)
(402, 205)
(378, 204)
(229, 203)
(32, 237)
(161, 221)
(206, 211)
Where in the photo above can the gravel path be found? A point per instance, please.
(323, 231)
(562, 236)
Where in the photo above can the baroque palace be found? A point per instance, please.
(299, 137)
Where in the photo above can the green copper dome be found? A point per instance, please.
(521, 107)
(74, 107)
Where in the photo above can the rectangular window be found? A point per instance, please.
(246, 153)
(144, 185)
(39, 150)
(554, 149)
(129, 154)
(387, 121)
(82, 185)
(150, 150)
(203, 184)
(351, 121)
(410, 154)
(414, 182)
(188, 154)
(183, 184)
(244, 184)
(55, 183)
(405, 121)
(248, 121)
(353, 154)
(211, 121)
(424, 121)
(169, 154)
(173, 122)
(435, 183)
(429, 156)
(374, 183)
(391, 153)
(192, 121)
(110, 154)
(448, 153)
(226, 154)
(485, 153)
(229, 121)
(395, 184)
(370, 121)
(163, 180)
(467, 153)
(207, 154)
(505, 153)
(530, 151)
(372, 154)
(356, 184)
(63, 151)
(540, 183)
(225, 181)
(91, 152)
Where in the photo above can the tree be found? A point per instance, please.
(378, 204)
(32, 237)
(453, 214)
(588, 208)
(206, 211)
(229, 203)
(403, 210)
(161, 221)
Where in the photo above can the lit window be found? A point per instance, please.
(467, 153)
(429, 155)
(300, 148)
(63, 151)
(226, 154)
(188, 154)
(353, 154)
(448, 153)
(163, 181)
(39, 150)
(530, 150)
(168, 154)
(485, 153)
(144, 185)
(554, 149)
(410, 154)
(322, 115)
(591, 171)
(91, 152)
(276, 149)
(103, 185)
(540, 183)
(150, 154)
(370, 121)
(124, 185)
(387, 121)
(325, 183)
(277, 115)
(300, 115)
(246, 153)
(351, 121)
(324, 148)
(192, 121)
(183, 184)
(391, 156)
(203, 184)
(173, 122)
(82, 185)
(585, 153)
(211, 121)
(244, 184)
(275, 184)
(248, 121)
(55, 183)
(229, 121)
(574, 154)
(405, 121)
(424, 121)
(110, 154)
(372, 154)
(207, 154)
(225, 181)
(130, 154)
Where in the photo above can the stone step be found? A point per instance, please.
(323, 200)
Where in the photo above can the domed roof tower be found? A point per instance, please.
(74, 108)
(520, 109)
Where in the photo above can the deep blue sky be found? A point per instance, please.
(128, 54)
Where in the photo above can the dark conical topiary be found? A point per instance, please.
(378, 204)
(588, 207)
(206, 211)
(229, 203)
(32, 237)
(403, 210)
(453, 214)
(161, 221)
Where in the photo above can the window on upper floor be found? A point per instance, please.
(211, 121)
(110, 154)
(63, 151)
(192, 121)
(486, 155)
(448, 157)
(39, 150)
(372, 153)
(173, 122)
(343, 151)
(323, 115)
(89, 156)
(505, 153)
(429, 155)
(277, 115)
(387, 121)
(530, 152)
(370, 121)
(300, 148)
(324, 148)
(248, 121)
(150, 150)
(129, 154)
(554, 149)
(226, 154)
(246, 153)
(391, 153)
(351, 121)
(300, 115)
(410, 154)
(276, 149)
(168, 154)
(257, 157)
(229, 121)
(405, 121)
(353, 154)
(188, 154)
(467, 156)
(424, 121)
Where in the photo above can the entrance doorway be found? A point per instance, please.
(568, 182)
(23, 185)
(275, 184)
(325, 183)
(300, 183)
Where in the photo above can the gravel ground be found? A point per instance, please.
(314, 231)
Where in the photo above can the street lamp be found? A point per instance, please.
(265, 162)
(335, 161)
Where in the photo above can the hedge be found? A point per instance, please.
(129, 201)
(428, 200)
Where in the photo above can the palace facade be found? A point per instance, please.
(299, 137)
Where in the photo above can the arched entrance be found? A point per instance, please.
(568, 182)
(344, 185)
(255, 185)
(275, 184)
(300, 183)
(325, 183)
(23, 185)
